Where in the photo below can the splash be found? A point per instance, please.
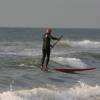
(80, 91)
(84, 91)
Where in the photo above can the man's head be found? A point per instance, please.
(49, 30)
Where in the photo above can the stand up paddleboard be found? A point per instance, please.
(72, 70)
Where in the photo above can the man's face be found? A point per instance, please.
(48, 31)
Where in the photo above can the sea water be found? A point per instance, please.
(20, 59)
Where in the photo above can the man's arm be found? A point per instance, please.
(54, 38)
(56, 41)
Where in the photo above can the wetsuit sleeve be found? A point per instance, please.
(54, 38)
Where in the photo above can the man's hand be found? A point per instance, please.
(60, 37)
(56, 41)
(51, 46)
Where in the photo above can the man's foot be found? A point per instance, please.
(41, 67)
(46, 69)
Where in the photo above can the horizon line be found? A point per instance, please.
(48, 27)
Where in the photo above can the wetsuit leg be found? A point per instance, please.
(43, 56)
(48, 58)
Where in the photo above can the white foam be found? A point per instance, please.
(85, 92)
(24, 52)
(20, 48)
(83, 43)
(21, 65)
(13, 50)
(74, 62)
(81, 91)
(30, 52)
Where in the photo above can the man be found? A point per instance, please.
(46, 47)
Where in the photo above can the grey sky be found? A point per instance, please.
(50, 13)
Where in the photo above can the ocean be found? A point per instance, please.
(20, 58)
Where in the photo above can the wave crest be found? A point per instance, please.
(80, 91)
(83, 43)
(73, 62)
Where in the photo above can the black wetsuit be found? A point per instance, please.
(46, 47)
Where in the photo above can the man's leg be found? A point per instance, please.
(47, 60)
(43, 57)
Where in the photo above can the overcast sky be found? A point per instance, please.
(50, 13)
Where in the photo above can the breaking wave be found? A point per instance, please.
(73, 62)
(83, 43)
(80, 91)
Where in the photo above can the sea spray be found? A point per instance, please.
(80, 91)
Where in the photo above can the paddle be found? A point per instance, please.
(57, 41)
